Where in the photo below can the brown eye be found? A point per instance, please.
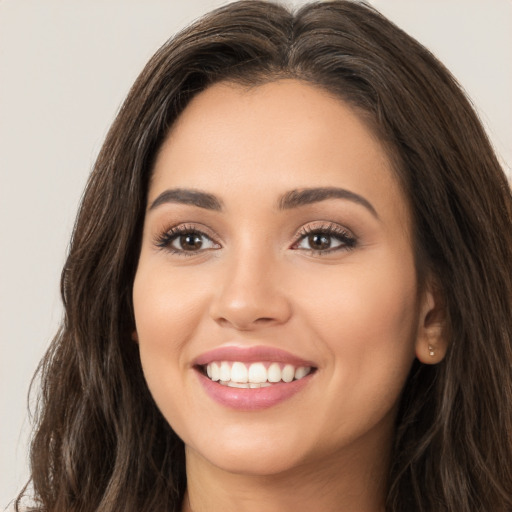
(190, 242)
(325, 240)
(185, 241)
(319, 241)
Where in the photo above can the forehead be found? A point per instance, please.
(273, 137)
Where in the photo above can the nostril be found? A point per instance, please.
(264, 320)
(241, 325)
(244, 303)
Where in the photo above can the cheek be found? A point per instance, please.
(167, 315)
(365, 317)
(167, 308)
(368, 327)
(364, 305)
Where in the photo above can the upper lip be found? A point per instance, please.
(250, 355)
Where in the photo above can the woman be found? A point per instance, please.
(288, 285)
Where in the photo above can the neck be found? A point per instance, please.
(340, 482)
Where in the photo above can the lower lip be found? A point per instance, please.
(256, 399)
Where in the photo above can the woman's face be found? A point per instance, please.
(276, 248)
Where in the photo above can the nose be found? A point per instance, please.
(252, 295)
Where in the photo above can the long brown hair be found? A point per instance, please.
(100, 441)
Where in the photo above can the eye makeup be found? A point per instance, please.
(318, 239)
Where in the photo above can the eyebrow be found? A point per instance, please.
(303, 197)
(188, 196)
(292, 199)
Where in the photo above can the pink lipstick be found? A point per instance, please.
(252, 378)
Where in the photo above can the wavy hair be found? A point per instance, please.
(100, 442)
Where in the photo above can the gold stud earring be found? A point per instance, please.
(431, 350)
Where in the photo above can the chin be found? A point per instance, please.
(256, 457)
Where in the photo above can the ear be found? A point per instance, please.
(135, 336)
(431, 343)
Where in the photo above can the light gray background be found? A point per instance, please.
(65, 67)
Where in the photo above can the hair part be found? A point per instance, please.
(102, 444)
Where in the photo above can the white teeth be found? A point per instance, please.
(288, 373)
(239, 372)
(257, 373)
(245, 385)
(255, 385)
(240, 375)
(214, 371)
(301, 372)
(225, 371)
(232, 384)
(274, 372)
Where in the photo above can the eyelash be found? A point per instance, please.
(165, 240)
(330, 230)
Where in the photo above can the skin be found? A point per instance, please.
(355, 312)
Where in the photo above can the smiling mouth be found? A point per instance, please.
(237, 374)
